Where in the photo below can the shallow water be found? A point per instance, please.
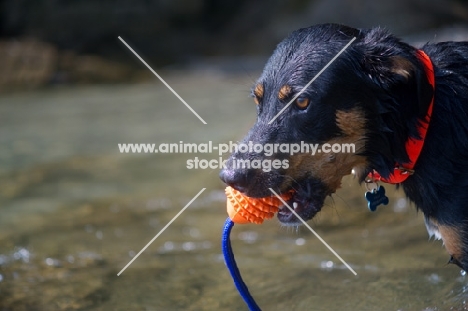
(74, 212)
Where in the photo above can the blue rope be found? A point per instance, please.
(232, 267)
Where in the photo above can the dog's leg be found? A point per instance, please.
(452, 237)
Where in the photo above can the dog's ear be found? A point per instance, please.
(394, 66)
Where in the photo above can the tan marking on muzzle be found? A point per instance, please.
(330, 167)
(351, 122)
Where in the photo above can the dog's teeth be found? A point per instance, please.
(295, 205)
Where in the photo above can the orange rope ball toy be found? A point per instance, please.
(242, 209)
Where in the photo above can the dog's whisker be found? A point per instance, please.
(343, 200)
(334, 207)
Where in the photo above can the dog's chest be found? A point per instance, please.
(433, 229)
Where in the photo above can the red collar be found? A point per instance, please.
(413, 146)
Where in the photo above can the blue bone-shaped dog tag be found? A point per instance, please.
(375, 198)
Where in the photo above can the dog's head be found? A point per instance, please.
(349, 108)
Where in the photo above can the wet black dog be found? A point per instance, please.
(374, 95)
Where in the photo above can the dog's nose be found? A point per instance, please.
(234, 178)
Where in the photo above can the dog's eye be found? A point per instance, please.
(302, 102)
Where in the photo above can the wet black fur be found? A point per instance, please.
(362, 77)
